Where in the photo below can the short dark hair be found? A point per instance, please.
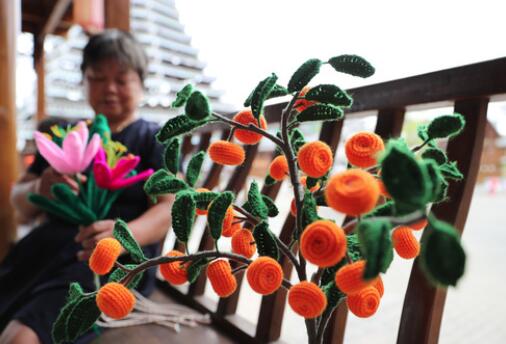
(117, 44)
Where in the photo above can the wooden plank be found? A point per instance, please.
(389, 123)
(117, 14)
(40, 62)
(8, 153)
(54, 19)
(423, 303)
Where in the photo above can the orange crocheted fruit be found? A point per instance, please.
(307, 299)
(229, 228)
(226, 153)
(364, 303)
(278, 168)
(293, 207)
(115, 300)
(379, 286)
(243, 243)
(246, 136)
(264, 275)
(175, 272)
(303, 181)
(201, 211)
(323, 243)
(419, 225)
(352, 192)
(405, 243)
(104, 256)
(222, 280)
(362, 149)
(315, 158)
(349, 279)
(302, 104)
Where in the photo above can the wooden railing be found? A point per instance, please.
(468, 89)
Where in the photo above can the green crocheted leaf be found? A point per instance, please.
(217, 211)
(451, 171)
(353, 65)
(100, 126)
(260, 94)
(297, 139)
(334, 295)
(376, 245)
(123, 234)
(118, 274)
(385, 209)
(256, 202)
(172, 155)
(446, 126)
(162, 182)
(272, 209)
(194, 270)
(182, 96)
(178, 125)
(198, 106)
(435, 154)
(442, 258)
(194, 167)
(354, 247)
(82, 317)
(309, 211)
(421, 131)
(55, 207)
(63, 193)
(59, 330)
(183, 215)
(437, 181)
(330, 94)
(304, 74)
(269, 180)
(265, 240)
(203, 199)
(320, 112)
(405, 180)
(75, 291)
(277, 91)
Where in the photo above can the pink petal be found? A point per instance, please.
(73, 148)
(124, 166)
(102, 174)
(52, 153)
(82, 130)
(100, 157)
(91, 151)
(123, 183)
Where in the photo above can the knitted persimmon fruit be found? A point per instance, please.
(364, 303)
(201, 211)
(307, 299)
(349, 279)
(104, 256)
(243, 243)
(222, 280)
(303, 181)
(352, 192)
(278, 168)
(323, 243)
(418, 225)
(379, 286)
(302, 104)
(362, 149)
(229, 227)
(246, 136)
(264, 275)
(115, 300)
(315, 158)
(174, 272)
(226, 153)
(405, 243)
(293, 207)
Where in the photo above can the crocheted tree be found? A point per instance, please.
(385, 192)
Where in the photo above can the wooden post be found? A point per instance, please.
(39, 64)
(117, 14)
(8, 153)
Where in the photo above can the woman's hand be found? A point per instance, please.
(50, 177)
(89, 236)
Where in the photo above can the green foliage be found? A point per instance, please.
(421, 131)
(183, 215)
(194, 167)
(272, 209)
(385, 209)
(162, 182)
(256, 202)
(182, 96)
(353, 247)
(118, 274)
(320, 112)
(123, 234)
(442, 256)
(198, 106)
(309, 211)
(353, 65)
(172, 154)
(260, 94)
(195, 269)
(333, 294)
(451, 171)
(60, 209)
(297, 139)
(100, 126)
(446, 126)
(435, 154)
(269, 180)
(329, 94)
(304, 74)
(265, 240)
(277, 91)
(217, 211)
(203, 199)
(438, 190)
(178, 125)
(376, 245)
(63, 193)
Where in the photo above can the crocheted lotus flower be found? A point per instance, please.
(349, 279)
(302, 104)
(76, 152)
(104, 256)
(115, 300)
(364, 303)
(220, 275)
(315, 159)
(323, 243)
(352, 192)
(307, 299)
(175, 272)
(226, 153)
(243, 243)
(245, 136)
(113, 178)
(405, 243)
(362, 149)
(278, 168)
(264, 275)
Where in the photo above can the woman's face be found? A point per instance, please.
(113, 89)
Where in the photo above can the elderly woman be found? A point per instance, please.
(35, 276)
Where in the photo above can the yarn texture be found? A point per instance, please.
(220, 275)
(115, 300)
(264, 275)
(104, 255)
(243, 243)
(226, 153)
(175, 272)
(362, 149)
(349, 279)
(278, 169)
(315, 159)
(245, 136)
(405, 243)
(307, 299)
(323, 243)
(364, 303)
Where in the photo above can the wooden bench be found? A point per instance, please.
(468, 89)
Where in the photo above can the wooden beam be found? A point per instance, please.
(8, 153)
(39, 63)
(117, 14)
(54, 19)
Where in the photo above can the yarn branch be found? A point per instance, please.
(395, 220)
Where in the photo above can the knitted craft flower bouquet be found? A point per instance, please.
(386, 194)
